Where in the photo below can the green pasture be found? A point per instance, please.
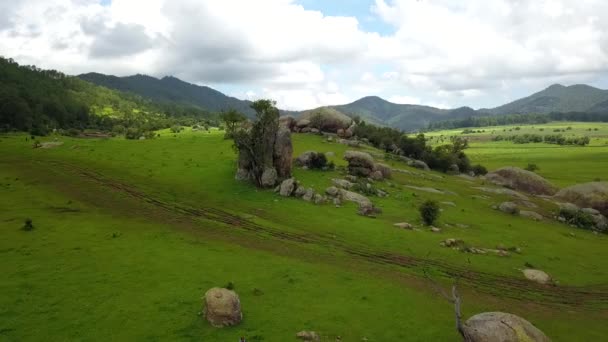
(124, 247)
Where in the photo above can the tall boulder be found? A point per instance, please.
(288, 122)
(222, 307)
(275, 160)
(502, 327)
(283, 151)
(522, 180)
(587, 195)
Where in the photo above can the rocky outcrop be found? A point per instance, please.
(503, 327)
(588, 195)
(522, 180)
(222, 307)
(359, 163)
(326, 120)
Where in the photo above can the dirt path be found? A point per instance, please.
(487, 283)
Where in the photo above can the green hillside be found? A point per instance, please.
(39, 101)
(171, 90)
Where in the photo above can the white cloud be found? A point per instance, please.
(473, 52)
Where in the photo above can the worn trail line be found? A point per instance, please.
(496, 285)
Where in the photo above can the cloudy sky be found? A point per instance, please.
(307, 53)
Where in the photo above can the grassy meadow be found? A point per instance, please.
(129, 234)
(563, 165)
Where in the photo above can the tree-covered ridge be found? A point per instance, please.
(171, 90)
(37, 100)
(556, 98)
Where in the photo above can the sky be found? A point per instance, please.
(309, 53)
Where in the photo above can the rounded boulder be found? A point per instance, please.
(222, 307)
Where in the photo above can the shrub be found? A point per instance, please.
(176, 129)
(365, 188)
(229, 286)
(132, 133)
(578, 218)
(28, 225)
(479, 169)
(318, 161)
(429, 211)
(532, 167)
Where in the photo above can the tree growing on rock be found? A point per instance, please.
(232, 119)
(264, 148)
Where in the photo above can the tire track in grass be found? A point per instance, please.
(591, 297)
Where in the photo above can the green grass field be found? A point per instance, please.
(130, 234)
(563, 165)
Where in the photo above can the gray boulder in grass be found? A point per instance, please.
(502, 327)
(222, 307)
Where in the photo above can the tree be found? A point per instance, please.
(232, 119)
(255, 144)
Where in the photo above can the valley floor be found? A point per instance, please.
(130, 234)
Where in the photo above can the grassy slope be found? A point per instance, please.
(76, 280)
(563, 165)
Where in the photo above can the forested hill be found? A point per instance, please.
(557, 99)
(36, 100)
(171, 90)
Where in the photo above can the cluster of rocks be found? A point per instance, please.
(340, 192)
(362, 164)
(570, 213)
(292, 188)
(460, 245)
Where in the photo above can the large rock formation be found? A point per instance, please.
(276, 164)
(588, 195)
(502, 327)
(222, 307)
(522, 180)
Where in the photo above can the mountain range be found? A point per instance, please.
(409, 117)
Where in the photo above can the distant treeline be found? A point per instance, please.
(503, 120)
(557, 139)
(38, 101)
